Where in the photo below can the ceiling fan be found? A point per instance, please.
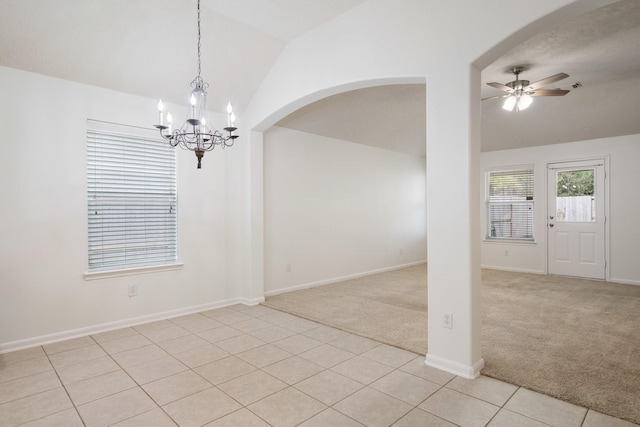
(520, 92)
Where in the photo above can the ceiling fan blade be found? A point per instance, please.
(548, 80)
(501, 87)
(496, 97)
(548, 92)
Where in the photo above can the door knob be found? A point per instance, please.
(550, 217)
(550, 225)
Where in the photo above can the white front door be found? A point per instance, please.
(575, 219)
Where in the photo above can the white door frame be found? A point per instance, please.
(607, 253)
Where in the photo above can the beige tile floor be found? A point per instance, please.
(254, 366)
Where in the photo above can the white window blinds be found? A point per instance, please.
(132, 198)
(510, 205)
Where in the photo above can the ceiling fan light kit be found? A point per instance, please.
(520, 93)
(521, 102)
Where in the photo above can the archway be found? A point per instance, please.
(344, 188)
(452, 77)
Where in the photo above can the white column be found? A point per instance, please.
(453, 221)
(253, 219)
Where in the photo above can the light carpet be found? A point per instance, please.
(577, 340)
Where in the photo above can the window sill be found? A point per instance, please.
(96, 275)
(511, 242)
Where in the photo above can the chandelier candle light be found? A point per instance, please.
(195, 134)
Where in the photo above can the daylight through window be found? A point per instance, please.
(510, 205)
(132, 198)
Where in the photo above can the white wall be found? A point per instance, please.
(335, 209)
(43, 220)
(624, 204)
(405, 41)
(416, 41)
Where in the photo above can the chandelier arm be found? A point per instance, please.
(209, 145)
(227, 139)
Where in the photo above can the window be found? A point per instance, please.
(132, 198)
(575, 196)
(510, 205)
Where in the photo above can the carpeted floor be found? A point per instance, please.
(578, 340)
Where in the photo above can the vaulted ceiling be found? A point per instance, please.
(148, 48)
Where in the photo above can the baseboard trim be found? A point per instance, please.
(464, 371)
(341, 279)
(109, 326)
(513, 270)
(524, 270)
(624, 281)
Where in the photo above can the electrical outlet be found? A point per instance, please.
(401, 251)
(506, 252)
(133, 290)
(288, 268)
(447, 320)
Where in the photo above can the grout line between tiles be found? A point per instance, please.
(503, 407)
(585, 417)
(64, 387)
(137, 385)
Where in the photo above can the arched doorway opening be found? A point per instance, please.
(452, 150)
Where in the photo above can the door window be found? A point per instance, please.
(575, 196)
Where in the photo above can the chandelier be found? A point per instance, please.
(196, 134)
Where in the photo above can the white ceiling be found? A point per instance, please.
(148, 47)
(387, 117)
(282, 19)
(601, 50)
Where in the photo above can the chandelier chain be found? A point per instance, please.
(199, 66)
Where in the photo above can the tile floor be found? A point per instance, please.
(254, 366)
